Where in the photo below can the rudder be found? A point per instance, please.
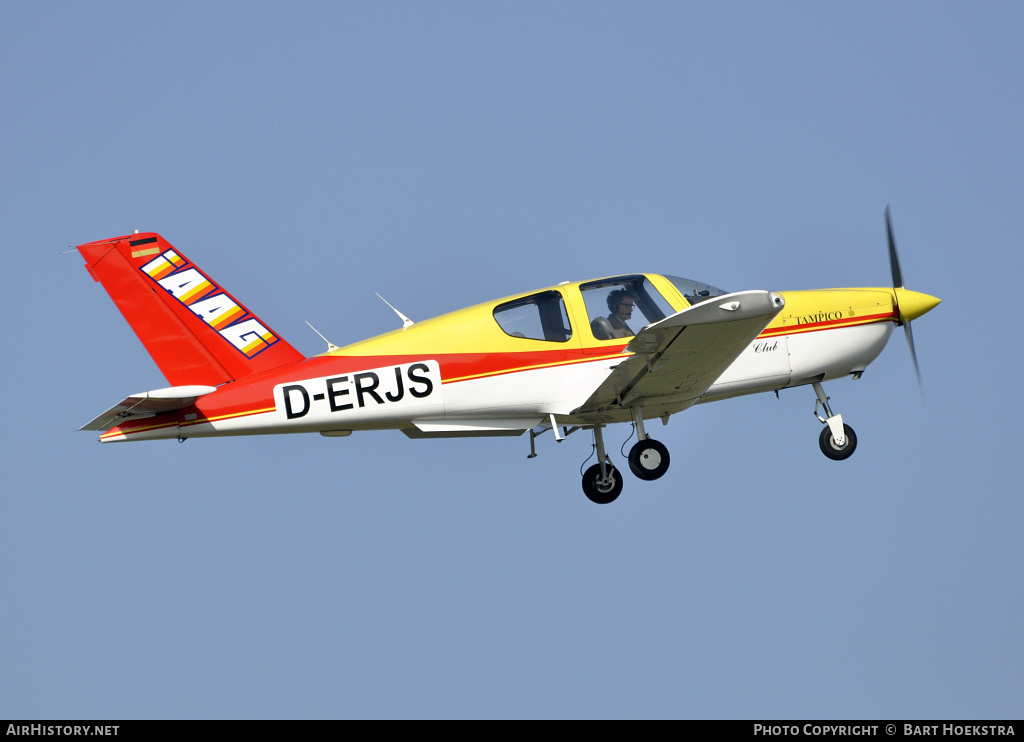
(195, 331)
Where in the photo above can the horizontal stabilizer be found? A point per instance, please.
(147, 404)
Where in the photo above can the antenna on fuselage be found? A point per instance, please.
(406, 322)
(330, 346)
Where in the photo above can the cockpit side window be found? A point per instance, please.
(536, 317)
(620, 307)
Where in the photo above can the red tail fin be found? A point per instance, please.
(195, 330)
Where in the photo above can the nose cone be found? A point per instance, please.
(913, 304)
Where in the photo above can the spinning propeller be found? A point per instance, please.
(909, 304)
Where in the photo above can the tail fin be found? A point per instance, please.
(195, 331)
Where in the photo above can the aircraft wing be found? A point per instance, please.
(147, 404)
(675, 360)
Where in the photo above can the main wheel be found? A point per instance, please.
(648, 459)
(829, 447)
(602, 491)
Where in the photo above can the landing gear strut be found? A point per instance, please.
(837, 440)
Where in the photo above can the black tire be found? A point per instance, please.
(606, 493)
(648, 459)
(829, 447)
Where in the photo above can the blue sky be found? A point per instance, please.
(442, 154)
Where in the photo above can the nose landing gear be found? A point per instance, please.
(837, 440)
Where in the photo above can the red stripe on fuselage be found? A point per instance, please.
(256, 393)
(831, 324)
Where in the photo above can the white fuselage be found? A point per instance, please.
(513, 402)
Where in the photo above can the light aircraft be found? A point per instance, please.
(576, 356)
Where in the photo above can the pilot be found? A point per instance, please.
(621, 305)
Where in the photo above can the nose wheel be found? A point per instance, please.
(837, 440)
(834, 450)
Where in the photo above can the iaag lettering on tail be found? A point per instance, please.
(210, 302)
(575, 356)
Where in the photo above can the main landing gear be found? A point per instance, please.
(648, 460)
(602, 482)
(837, 440)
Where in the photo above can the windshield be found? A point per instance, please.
(695, 291)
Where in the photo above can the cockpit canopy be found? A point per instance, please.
(616, 307)
(620, 307)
